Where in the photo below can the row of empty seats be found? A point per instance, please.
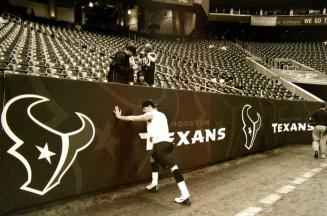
(36, 49)
(221, 60)
(312, 54)
(200, 65)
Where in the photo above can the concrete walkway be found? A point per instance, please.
(286, 181)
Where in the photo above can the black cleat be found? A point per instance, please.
(152, 188)
(183, 201)
(315, 154)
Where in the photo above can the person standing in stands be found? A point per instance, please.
(319, 133)
(147, 62)
(162, 147)
(121, 68)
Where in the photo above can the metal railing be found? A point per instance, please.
(206, 81)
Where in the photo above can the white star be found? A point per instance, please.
(45, 153)
(250, 131)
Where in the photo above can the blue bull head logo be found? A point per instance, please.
(59, 152)
(250, 127)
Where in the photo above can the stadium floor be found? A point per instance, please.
(285, 181)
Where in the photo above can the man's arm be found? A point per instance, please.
(145, 117)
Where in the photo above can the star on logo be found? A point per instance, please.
(45, 153)
(250, 131)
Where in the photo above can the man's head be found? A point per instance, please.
(130, 49)
(148, 105)
(148, 48)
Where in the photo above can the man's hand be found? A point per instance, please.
(117, 112)
(145, 117)
(152, 57)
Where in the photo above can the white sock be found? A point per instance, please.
(182, 187)
(155, 176)
(174, 168)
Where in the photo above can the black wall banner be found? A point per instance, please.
(60, 138)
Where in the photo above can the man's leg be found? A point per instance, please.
(154, 186)
(315, 141)
(165, 158)
(322, 143)
(185, 195)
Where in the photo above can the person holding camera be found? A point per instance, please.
(147, 60)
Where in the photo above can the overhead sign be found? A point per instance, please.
(263, 21)
(302, 21)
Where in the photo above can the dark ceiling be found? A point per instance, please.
(69, 3)
(213, 3)
(270, 3)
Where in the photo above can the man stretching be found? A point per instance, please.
(158, 132)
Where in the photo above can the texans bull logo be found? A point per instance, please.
(48, 153)
(250, 127)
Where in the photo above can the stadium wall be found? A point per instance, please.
(205, 5)
(190, 19)
(60, 138)
(43, 10)
(65, 14)
(170, 22)
(131, 20)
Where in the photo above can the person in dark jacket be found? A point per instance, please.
(319, 133)
(121, 70)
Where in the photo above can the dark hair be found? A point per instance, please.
(148, 102)
(131, 47)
